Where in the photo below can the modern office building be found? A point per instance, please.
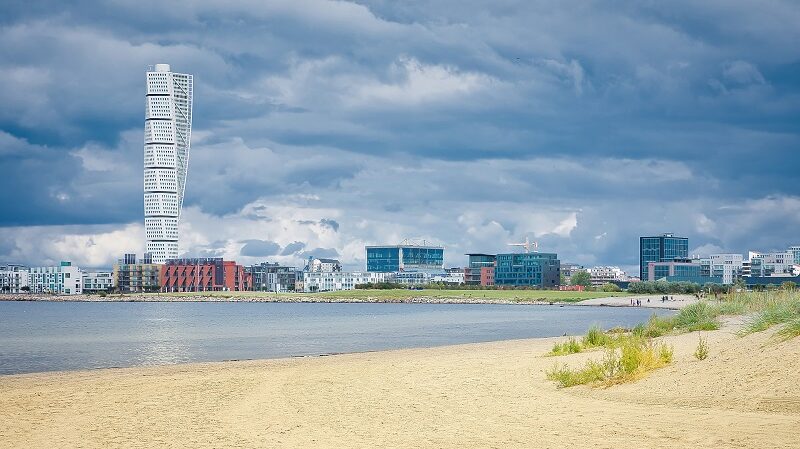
(272, 277)
(568, 269)
(332, 281)
(167, 137)
(541, 270)
(317, 265)
(663, 248)
(14, 278)
(63, 279)
(480, 269)
(405, 257)
(98, 281)
(131, 276)
(203, 275)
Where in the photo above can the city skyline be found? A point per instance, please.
(385, 122)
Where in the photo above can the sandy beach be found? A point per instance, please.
(746, 394)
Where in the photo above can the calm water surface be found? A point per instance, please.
(48, 336)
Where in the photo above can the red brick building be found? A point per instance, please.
(487, 276)
(204, 275)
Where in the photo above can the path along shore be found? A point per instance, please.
(746, 394)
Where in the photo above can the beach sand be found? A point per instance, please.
(489, 395)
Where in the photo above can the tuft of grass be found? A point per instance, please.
(700, 316)
(633, 360)
(790, 330)
(595, 337)
(701, 353)
(775, 312)
(571, 346)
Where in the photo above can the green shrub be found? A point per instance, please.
(701, 353)
(595, 337)
(790, 330)
(571, 346)
(635, 358)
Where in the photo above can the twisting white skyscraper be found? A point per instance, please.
(167, 134)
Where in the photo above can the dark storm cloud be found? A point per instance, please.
(320, 253)
(428, 109)
(260, 248)
(293, 248)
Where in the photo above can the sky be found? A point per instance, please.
(324, 126)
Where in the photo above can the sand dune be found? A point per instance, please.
(746, 394)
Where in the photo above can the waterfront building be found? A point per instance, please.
(452, 276)
(568, 269)
(317, 265)
(726, 266)
(681, 270)
(14, 278)
(131, 276)
(167, 137)
(97, 281)
(204, 274)
(605, 275)
(272, 277)
(332, 281)
(663, 248)
(480, 269)
(64, 279)
(795, 250)
(405, 257)
(771, 264)
(541, 270)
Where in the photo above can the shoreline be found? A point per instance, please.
(467, 395)
(611, 301)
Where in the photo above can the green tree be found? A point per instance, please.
(609, 287)
(581, 278)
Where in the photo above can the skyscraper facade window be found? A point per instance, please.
(167, 136)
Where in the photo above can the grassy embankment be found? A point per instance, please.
(521, 296)
(631, 354)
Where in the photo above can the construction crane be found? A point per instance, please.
(527, 245)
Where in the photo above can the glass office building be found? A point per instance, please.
(477, 263)
(541, 270)
(663, 248)
(395, 258)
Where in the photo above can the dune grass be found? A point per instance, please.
(634, 359)
(776, 308)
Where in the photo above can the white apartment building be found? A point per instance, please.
(726, 266)
(450, 277)
(334, 281)
(780, 264)
(167, 137)
(13, 278)
(98, 281)
(64, 279)
(316, 265)
(604, 275)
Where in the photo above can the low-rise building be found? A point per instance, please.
(772, 264)
(453, 276)
(272, 277)
(568, 269)
(98, 281)
(332, 281)
(64, 279)
(204, 275)
(606, 275)
(14, 278)
(726, 266)
(131, 276)
(317, 265)
(541, 270)
(478, 267)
